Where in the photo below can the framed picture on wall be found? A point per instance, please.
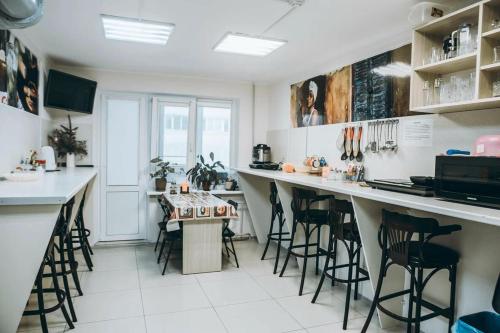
(19, 74)
(374, 88)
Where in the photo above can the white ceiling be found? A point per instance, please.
(71, 32)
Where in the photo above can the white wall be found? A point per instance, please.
(165, 84)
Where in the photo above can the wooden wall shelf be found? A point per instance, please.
(456, 64)
(480, 63)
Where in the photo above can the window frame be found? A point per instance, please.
(194, 123)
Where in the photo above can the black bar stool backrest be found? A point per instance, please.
(496, 296)
(398, 230)
(337, 212)
(302, 200)
(63, 220)
(226, 221)
(273, 198)
(164, 208)
(82, 203)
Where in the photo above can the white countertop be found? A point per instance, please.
(52, 188)
(429, 204)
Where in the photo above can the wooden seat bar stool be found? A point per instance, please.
(347, 234)
(310, 219)
(276, 214)
(398, 248)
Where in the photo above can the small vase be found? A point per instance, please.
(206, 186)
(161, 184)
(70, 160)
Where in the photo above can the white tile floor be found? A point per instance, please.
(127, 293)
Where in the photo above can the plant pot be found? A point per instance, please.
(206, 186)
(70, 160)
(161, 184)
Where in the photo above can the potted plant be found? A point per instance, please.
(162, 169)
(204, 174)
(65, 143)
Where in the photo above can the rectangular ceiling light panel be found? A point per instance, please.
(248, 45)
(136, 30)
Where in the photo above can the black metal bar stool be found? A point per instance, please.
(310, 219)
(227, 233)
(39, 290)
(347, 234)
(169, 239)
(398, 248)
(65, 246)
(162, 225)
(80, 240)
(276, 214)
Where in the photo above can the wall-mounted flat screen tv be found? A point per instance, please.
(69, 92)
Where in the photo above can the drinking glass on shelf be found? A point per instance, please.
(496, 54)
(496, 88)
(495, 23)
(435, 54)
(427, 93)
(438, 83)
(453, 94)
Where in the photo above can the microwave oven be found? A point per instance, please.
(468, 179)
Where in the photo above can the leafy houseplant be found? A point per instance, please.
(65, 143)
(204, 174)
(162, 169)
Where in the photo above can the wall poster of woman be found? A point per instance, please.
(308, 102)
(19, 74)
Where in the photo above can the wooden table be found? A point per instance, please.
(201, 214)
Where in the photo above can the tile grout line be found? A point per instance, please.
(140, 289)
(276, 300)
(211, 305)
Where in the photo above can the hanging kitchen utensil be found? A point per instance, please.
(348, 146)
(341, 139)
(379, 135)
(359, 156)
(368, 142)
(375, 134)
(355, 144)
(395, 146)
(344, 154)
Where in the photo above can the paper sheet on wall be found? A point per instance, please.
(418, 133)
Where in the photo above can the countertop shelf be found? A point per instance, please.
(429, 204)
(53, 188)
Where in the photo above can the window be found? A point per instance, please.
(213, 132)
(187, 127)
(173, 130)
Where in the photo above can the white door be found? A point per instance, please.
(124, 167)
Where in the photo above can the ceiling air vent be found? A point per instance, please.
(18, 14)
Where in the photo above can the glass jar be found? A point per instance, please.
(496, 88)
(427, 93)
(437, 90)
